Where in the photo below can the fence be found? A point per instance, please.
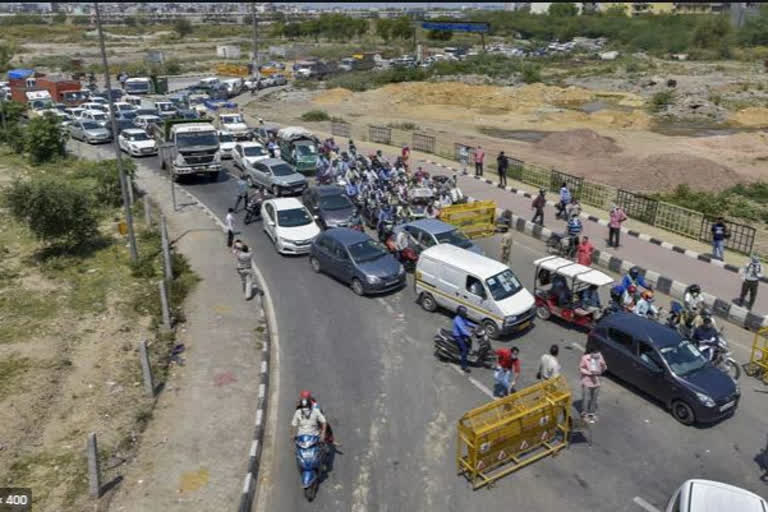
(340, 129)
(742, 237)
(423, 142)
(574, 183)
(637, 206)
(380, 134)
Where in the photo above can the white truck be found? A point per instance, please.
(234, 123)
(189, 147)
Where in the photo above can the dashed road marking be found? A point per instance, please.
(479, 385)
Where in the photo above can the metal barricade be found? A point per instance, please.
(507, 434)
(758, 360)
(741, 239)
(515, 170)
(423, 142)
(380, 134)
(574, 183)
(678, 219)
(475, 220)
(637, 206)
(536, 176)
(597, 194)
(340, 129)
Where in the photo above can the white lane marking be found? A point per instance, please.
(535, 251)
(577, 345)
(479, 385)
(644, 504)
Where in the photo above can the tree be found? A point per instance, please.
(59, 18)
(440, 35)
(131, 21)
(182, 27)
(402, 28)
(43, 139)
(384, 29)
(563, 9)
(7, 52)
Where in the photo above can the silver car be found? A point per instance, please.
(276, 176)
(89, 131)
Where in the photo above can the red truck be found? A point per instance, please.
(57, 86)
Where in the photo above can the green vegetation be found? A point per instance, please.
(404, 125)
(747, 202)
(661, 100)
(44, 140)
(315, 115)
(7, 51)
(365, 80)
(333, 27)
(182, 27)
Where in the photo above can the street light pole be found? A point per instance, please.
(255, 38)
(118, 155)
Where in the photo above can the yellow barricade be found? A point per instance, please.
(476, 220)
(231, 70)
(758, 359)
(507, 434)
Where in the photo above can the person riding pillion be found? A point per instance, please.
(308, 421)
(462, 332)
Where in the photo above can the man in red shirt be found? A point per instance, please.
(508, 360)
(479, 157)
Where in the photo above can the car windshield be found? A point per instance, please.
(336, 202)
(683, 358)
(146, 112)
(368, 250)
(225, 137)
(282, 170)
(231, 119)
(504, 284)
(293, 218)
(197, 139)
(99, 117)
(306, 150)
(454, 237)
(165, 107)
(254, 151)
(90, 125)
(138, 136)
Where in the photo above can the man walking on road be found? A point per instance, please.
(753, 271)
(591, 366)
(506, 246)
(244, 267)
(229, 224)
(502, 164)
(479, 157)
(614, 225)
(549, 366)
(719, 235)
(242, 193)
(538, 205)
(464, 158)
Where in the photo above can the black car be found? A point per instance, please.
(658, 361)
(330, 206)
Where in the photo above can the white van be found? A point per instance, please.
(209, 82)
(709, 496)
(448, 276)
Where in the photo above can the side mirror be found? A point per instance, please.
(271, 223)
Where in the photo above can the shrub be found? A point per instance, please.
(55, 210)
(661, 100)
(531, 74)
(106, 190)
(43, 139)
(315, 115)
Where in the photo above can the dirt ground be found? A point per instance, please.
(616, 144)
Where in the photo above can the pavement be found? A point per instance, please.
(194, 454)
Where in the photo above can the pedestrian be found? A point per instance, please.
(244, 265)
(719, 235)
(404, 155)
(584, 252)
(549, 366)
(229, 223)
(507, 359)
(502, 164)
(753, 271)
(479, 157)
(538, 205)
(591, 367)
(506, 247)
(242, 193)
(617, 216)
(565, 198)
(464, 158)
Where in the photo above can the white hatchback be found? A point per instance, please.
(136, 142)
(708, 496)
(289, 225)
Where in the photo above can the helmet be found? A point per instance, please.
(648, 295)
(305, 395)
(305, 403)
(634, 272)
(632, 289)
(695, 289)
(706, 319)
(462, 311)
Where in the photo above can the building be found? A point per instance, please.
(701, 7)
(639, 8)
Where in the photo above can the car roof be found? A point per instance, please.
(285, 203)
(431, 225)
(327, 190)
(273, 161)
(346, 236)
(709, 496)
(94, 111)
(482, 266)
(658, 334)
(250, 144)
(569, 269)
(133, 131)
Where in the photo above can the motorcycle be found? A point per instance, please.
(311, 456)
(252, 210)
(446, 348)
(407, 257)
(718, 353)
(559, 244)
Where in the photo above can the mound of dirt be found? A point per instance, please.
(753, 117)
(332, 96)
(665, 171)
(581, 142)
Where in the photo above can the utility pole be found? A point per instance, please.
(118, 155)
(255, 38)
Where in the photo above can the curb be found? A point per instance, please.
(707, 258)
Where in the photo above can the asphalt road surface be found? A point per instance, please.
(394, 407)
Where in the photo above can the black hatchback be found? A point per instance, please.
(658, 361)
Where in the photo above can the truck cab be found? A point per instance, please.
(234, 123)
(192, 148)
(298, 147)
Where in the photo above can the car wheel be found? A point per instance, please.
(428, 302)
(357, 287)
(543, 312)
(683, 412)
(315, 264)
(491, 328)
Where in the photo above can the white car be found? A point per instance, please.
(75, 112)
(96, 116)
(136, 142)
(95, 106)
(246, 154)
(226, 144)
(709, 496)
(122, 106)
(146, 122)
(234, 124)
(289, 225)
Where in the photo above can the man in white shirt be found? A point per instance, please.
(549, 366)
(308, 421)
(229, 223)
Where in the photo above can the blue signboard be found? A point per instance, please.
(447, 26)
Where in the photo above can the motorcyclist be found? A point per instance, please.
(352, 190)
(628, 298)
(432, 212)
(574, 230)
(693, 302)
(634, 277)
(705, 336)
(645, 307)
(386, 213)
(462, 334)
(308, 420)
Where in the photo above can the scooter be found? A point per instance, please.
(446, 348)
(311, 457)
(718, 353)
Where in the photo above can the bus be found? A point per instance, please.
(140, 85)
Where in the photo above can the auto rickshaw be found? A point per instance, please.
(558, 288)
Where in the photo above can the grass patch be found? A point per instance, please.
(661, 100)
(404, 125)
(315, 115)
(10, 369)
(44, 471)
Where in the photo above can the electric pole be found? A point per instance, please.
(118, 155)
(255, 38)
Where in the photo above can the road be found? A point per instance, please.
(394, 406)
